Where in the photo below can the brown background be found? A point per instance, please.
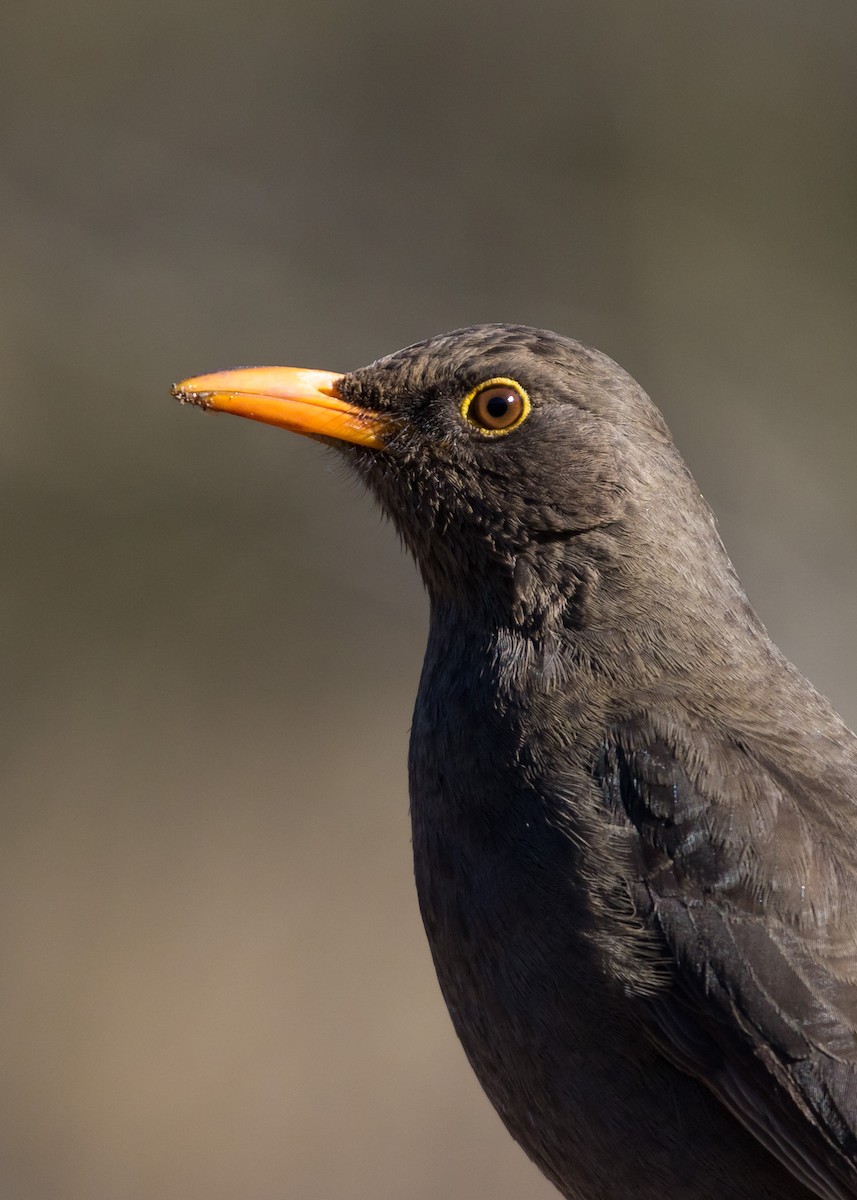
(214, 983)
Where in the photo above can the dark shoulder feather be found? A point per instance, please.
(756, 903)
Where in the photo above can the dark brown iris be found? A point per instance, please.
(496, 408)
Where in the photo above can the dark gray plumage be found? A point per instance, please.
(635, 830)
(634, 822)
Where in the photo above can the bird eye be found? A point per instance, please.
(496, 406)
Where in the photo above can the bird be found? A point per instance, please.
(634, 821)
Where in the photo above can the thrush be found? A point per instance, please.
(634, 821)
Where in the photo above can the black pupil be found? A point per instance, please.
(498, 405)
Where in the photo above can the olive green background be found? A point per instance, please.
(214, 982)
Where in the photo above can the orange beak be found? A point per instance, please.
(301, 400)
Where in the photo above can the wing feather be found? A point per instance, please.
(756, 905)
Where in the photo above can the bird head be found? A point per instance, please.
(522, 469)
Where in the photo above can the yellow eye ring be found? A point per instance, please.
(496, 406)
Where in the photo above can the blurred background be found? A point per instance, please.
(214, 981)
